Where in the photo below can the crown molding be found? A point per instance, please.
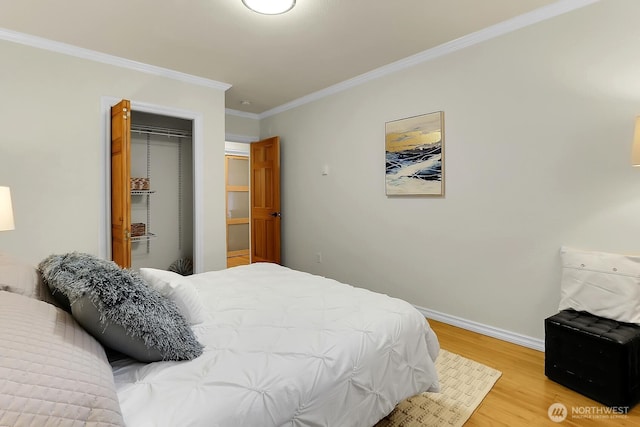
(524, 20)
(505, 27)
(243, 114)
(79, 52)
(232, 137)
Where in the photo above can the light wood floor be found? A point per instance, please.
(234, 261)
(523, 394)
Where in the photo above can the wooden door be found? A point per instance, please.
(120, 186)
(265, 200)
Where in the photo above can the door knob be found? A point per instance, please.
(275, 214)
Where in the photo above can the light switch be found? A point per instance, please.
(325, 170)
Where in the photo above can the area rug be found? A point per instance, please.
(463, 385)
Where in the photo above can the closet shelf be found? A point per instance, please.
(141, 192)
(156, 130)
(143, 238)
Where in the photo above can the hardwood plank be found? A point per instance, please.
(234, 261)
(523, 393)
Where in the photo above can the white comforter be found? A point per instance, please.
(285, 348)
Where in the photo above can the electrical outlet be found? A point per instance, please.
(318, 257)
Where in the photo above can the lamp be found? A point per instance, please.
(635, 148)
(270, 7)
(6, 211)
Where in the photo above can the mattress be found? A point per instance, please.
(285, 348)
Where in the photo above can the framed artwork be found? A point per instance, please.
(414, 151)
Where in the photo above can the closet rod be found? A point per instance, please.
(155, 130)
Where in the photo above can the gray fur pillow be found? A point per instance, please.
(120, 309)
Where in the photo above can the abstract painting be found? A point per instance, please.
(415, 155)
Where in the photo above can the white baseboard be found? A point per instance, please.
(501, 334)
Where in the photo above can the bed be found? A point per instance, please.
(279, 348)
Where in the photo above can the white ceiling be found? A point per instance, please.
(268, 60)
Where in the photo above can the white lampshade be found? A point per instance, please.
(270, 7)
(6, 210)
(635, 149)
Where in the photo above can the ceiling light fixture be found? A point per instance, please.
(270, 7)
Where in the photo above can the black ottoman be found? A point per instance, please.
(594, 356)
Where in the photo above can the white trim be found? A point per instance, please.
(524, 20)
(198, 174)
(244, 114)
(501, 334)
(198, 194)
(240, 138)
(104, 211)
(92, 55)
(236, 153)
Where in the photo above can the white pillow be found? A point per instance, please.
(22, 278)
(603, 284)
(17, 276)
(178, 289)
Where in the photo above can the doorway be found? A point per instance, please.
(237, 203)
(162, 213)
(253, 203)
(196, 160)
(237, 208)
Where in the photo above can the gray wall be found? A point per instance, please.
(52, 148)
(242, 127)
(538, 127)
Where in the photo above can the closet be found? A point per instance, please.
(161, 152)
(156, 209)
